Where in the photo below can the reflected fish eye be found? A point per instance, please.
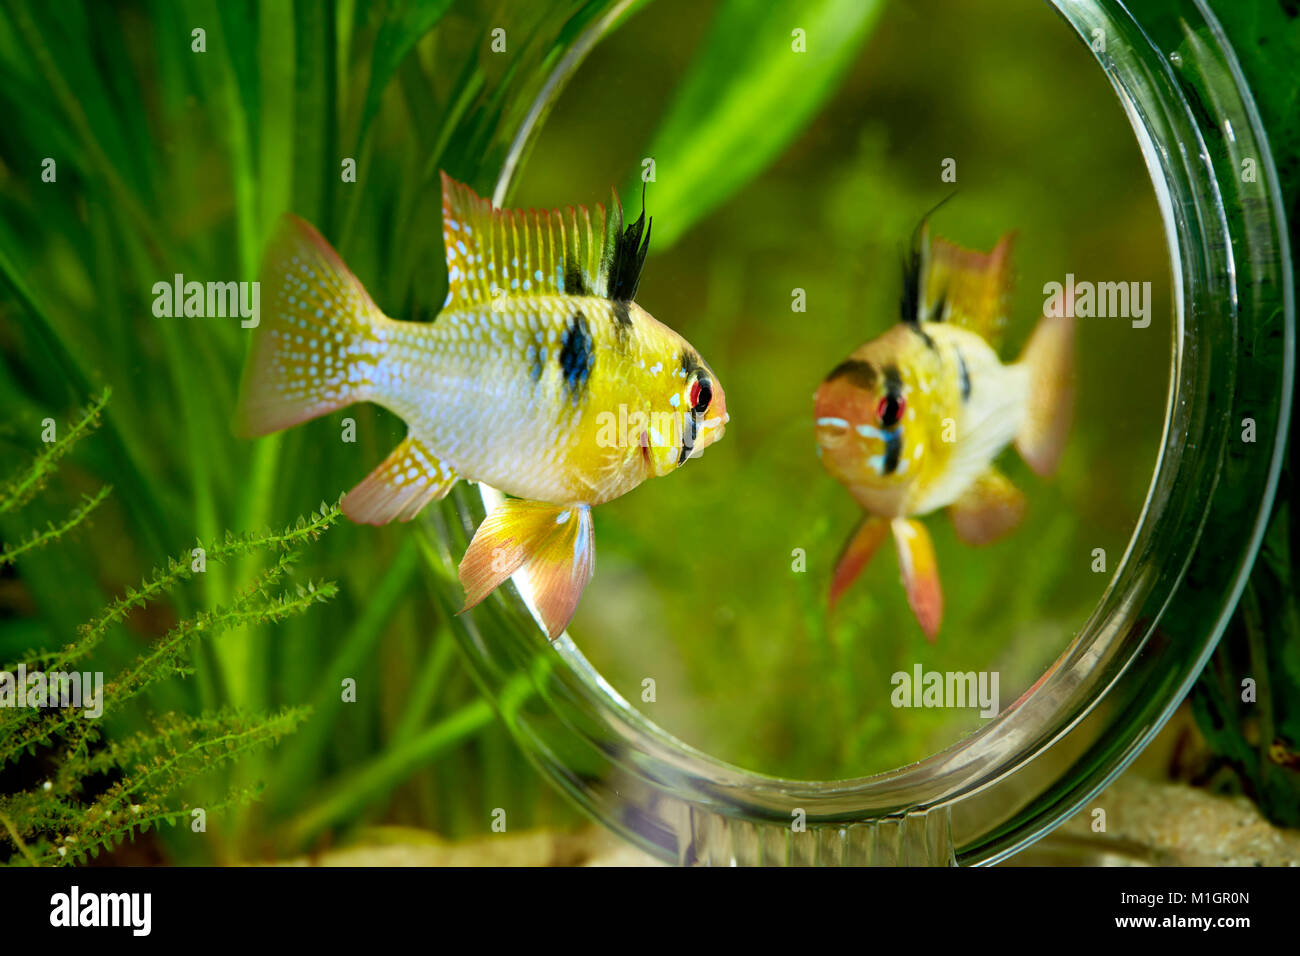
(890, 409)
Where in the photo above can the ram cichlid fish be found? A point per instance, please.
(540, 377)
(912, 421)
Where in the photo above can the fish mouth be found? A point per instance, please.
(832, 431)
(645, 450)
(708, 431)
(879, 448)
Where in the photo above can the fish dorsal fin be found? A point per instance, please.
(967, 288)
(513, 252)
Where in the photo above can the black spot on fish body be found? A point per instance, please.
(925, 336)
(689, 362)
(577, 355)
(860, 373)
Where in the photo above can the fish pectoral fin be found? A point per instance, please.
(988, 509)
(857, 552)
(920, 574)
(406, 481)
(553, 544)
(1048, 361)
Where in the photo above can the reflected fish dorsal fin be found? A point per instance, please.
(510, 253)
(964, 287)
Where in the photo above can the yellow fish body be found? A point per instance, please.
(912, 421)
(541, 377)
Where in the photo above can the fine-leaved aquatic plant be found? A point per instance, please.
(91, 793)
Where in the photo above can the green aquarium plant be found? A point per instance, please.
(175, 157)
(68, 789)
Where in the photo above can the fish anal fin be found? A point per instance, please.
(967, 288)
(988, 509)
(407, 480)
(553, 544)
(920, 572)
(1048, 361)
(856, 554)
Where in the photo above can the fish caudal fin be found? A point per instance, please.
(988, 509)
(1048, 361)
(554, 544)
(920, 574)
(313, 347)
(406, 481)
(858, 551)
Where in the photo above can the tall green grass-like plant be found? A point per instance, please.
(96, 793)
(169, 155)
(177, 132)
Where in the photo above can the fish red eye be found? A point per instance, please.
(890, 409)
(701, 396)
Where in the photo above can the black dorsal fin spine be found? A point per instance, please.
(913, 297)
(627, 251)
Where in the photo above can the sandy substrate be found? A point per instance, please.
(1149, 821)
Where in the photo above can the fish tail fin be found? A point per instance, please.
(554, 544)
(920, 571)
(1048, 361)
(857, 552)
(314, 345)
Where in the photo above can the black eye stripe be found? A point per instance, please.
(893, 451)
(689, 434)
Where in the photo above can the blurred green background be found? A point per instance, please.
(774, 170)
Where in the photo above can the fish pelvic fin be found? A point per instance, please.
(314, 345)
(988, 509)
(553, 544)
(857, 553)
(1048, 362)
(407, 480)
(920, 572)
